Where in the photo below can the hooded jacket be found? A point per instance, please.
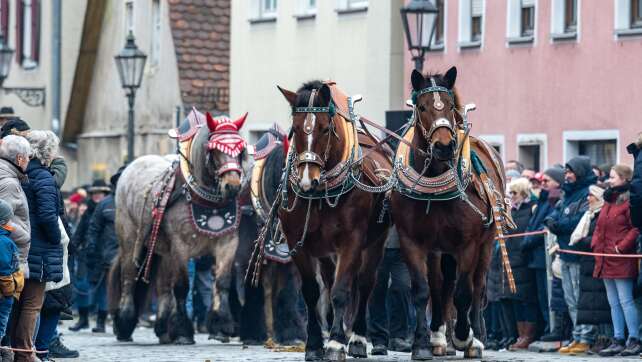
(11, 192)
(102, 243)
(636, 187)
(574, 203)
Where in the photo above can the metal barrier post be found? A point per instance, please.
(549, 239)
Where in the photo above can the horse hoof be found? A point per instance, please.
(421, 354)
(314, 355)
(473, 352)
(219, 337)
(357, 350)
(439, 351)
(124, 339)
(182, 340)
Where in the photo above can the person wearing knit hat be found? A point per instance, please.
(11, 280)
(555, 173)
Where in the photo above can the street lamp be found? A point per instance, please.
(130, 63)
(32, 96)
(422, 15)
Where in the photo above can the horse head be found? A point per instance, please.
(223, 150)
(437, 111)
(313, 128)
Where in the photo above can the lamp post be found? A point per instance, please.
(422, 16)
(31, 96)
(130, 63)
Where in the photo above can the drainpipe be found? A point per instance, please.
(56, 42)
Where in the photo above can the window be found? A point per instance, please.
(477, 10)
(601, 152)
(351, 6)
(307, 8)
(4, 19)
(357, 4)
(268, 9)
(154, 48)
(531, 150)
(636, 13)
(471, 16)
(28, 33)
(600, 145)
(438, 39)
(570, 16)
(527, 18)
(564, 19)
(263, 11)
(129, 16)
(521, 21)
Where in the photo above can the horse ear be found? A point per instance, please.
(211, 122)
(325, 94)
(450, 77)
(417, 80)
(289, 96)
(239, 122)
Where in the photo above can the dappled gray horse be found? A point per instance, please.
(168, 212)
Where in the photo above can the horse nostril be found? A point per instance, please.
(315, 183)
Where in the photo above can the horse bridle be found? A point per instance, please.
(439, 105)
(308, 156)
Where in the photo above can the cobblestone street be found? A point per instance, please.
(105, 348)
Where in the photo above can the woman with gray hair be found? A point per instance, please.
(46, 253)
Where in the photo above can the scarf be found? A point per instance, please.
(583, 227)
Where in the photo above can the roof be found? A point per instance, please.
(201, 33)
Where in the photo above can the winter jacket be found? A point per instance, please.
(79, 238)
(614, 229)
(102, 243)
(524, 277)
(11, 278)
(533, 245)
(569, 211)
(57, 300)
(593, 306)
(11, 192)
(558, 303)
(636, 187)
(46, 254)
(58, 169)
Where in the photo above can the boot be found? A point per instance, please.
(83, 320)
(556, 334)
(528, 336)
(58, 350)
(100, 322)
(633, 348)
(520, 339)
(616, 347)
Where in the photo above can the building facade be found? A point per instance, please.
(551, 78)
(357, 43)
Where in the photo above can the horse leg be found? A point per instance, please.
(463, 337)
(182, 329)
(327, 269)
(123, 291)
(415, 258)
(437, 326)
(366, 280)
(267, 279)
(311, 293)
(479, 291)
(221, 324)
(165, 300)
(347, 268)
(449, 274)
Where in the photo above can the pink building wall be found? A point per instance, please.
(592, 83)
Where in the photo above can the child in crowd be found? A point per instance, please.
(11, 279)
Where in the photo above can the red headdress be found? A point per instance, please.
(224, 134)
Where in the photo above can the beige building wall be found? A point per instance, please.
(102, 147)
(361, 51)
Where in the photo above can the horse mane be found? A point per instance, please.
(273, 168)
(303, 93)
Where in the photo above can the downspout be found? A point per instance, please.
(56, 44)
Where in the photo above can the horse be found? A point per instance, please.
(168, 212)
(448, 207)
(331, 207)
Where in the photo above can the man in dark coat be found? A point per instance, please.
(102, 248)
(562, 222)
(534, 245)
(636, 183)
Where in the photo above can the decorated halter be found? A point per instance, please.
(224, 137)
(439, 105)
(309, 156)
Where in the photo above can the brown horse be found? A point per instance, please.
(324, 214)
(441, 207)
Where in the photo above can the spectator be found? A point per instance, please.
(512, 175)
(6, 113)
(388, 322)
(102, 248)
(614, 234)
(515, 166)
(45, 254)
(636, 183)
(536, 185)
(592, 305)
(97, 192)
(562, 222)
(14, 126)
(534, 245)
(14, 158)
(11, 278)
(522, 304)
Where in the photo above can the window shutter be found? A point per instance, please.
(4, 19)
(35, 30)
(514, 14)
(527, 3)
(19, 30)
(477, 7)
